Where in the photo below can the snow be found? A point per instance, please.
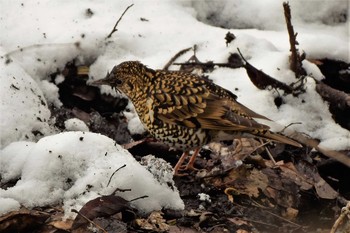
(20, 92)
(65, 168)
(74, 124)
(204, 197)
(37, 39)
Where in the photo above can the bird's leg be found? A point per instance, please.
(190, 163)
(179, 163)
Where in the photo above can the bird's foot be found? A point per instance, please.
(189, 167)
(185, 170)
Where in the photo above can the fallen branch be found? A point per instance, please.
(299, 137)
(116, 24)
(335, 97)
(295, 58)
(207, 65)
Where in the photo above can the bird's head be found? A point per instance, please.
(127, 77)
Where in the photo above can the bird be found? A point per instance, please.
(186, 111)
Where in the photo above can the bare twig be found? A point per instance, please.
(120, 190)
(116, 24)
(295, 58)
(180, 53)
(270, 155)
(110, 178)
(207, 65)
(284, 219)
(260, 222)
(289, 125)
(137, 198)
(344, 212)
(90, 221)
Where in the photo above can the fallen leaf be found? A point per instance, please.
(22, 220)
(155, 222)
(100, 207)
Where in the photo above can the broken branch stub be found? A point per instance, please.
(295, 58)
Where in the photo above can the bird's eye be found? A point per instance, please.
(118, 81)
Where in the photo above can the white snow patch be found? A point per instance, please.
(50, 91)
(8, 205)
(12, 160)
(204, 197)
(312, 70)
(135, 125)
(24, 111)
(75, 124)
(74, 167)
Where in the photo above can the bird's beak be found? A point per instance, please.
(103, 81)
(100, 82)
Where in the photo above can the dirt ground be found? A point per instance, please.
(237, 188)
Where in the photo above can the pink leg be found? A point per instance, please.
(189, 165)
(179, 163)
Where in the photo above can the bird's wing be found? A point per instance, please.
(189, 102)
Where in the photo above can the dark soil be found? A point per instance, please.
(303, 192)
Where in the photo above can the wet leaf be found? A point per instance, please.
(100, 207)
(323, 189)
(22, 221)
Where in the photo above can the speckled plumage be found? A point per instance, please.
(184, 110)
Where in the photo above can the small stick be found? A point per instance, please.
(259, 222)
(137, 198)
(270, 155)
(344, 211)
(284, 219)
(295, 61)
(116, 24)
(110, 178)
(90, 221)
(120, 190)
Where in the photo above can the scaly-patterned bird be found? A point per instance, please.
(184, 110)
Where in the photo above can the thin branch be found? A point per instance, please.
(180, 53)
(208, 65)
(90, 221)
(137, 198)
(120, 190)
(116, 24)
(284, 219)
(299, 137)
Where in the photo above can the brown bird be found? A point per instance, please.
(184, 110)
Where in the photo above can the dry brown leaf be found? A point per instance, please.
(290, 213)
(289, 171)
(323, 189)
(238, 221)
(100, 207)
(155, 222)
(62, 225)
(22, 220)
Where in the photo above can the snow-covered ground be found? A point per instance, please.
(39, 37)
